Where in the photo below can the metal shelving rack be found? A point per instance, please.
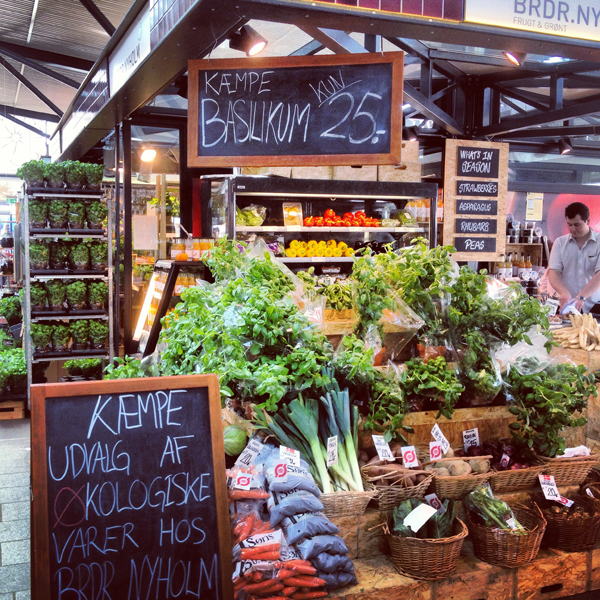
(27, 237)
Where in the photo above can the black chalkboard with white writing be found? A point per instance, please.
(475, 244)
(291, 108)
(477, 188)
(132, 495)
(478, 162)
(476, 226)
(476, 207)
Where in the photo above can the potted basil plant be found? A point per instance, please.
(76, 215)
(41, 336)
(80, 331)
(59, 254)
(94, 175)
(75, 174)
(32, 172)
(76, 294)
(99, 256)
(57, 294)
(61, 336)
(80, 256)
(58, 214)
(39, 296)
(54, 173)
(38, 255)
(96, 212)
(98, 334)
(15, 367)
(38, 213)
(98, 294)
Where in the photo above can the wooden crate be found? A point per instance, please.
(12, 410)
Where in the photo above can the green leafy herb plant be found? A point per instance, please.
(127, 368)
(80, 331)
(10, 309)
(59, 255)
(38, 255)
(98, 294)
(75, 174)
(76, 215)
(41, 337)
(39, 296)
(96, 213)
(54, 173)
(61, 337)
(84, 367)
(58, 213)
(38, 213)
(80, 256)
(76, 295)
(13, 370)
(99, 255)
(57, 294)
(32, 172)
(94, 174)
(98, 334)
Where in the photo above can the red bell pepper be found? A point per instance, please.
(308, 221)
(318, 222)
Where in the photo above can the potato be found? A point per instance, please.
(429, 467)
(450, 453)
(458, 468)
(481, 465)
(362, 455)
(441, 472)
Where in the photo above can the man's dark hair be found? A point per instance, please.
(577, 208)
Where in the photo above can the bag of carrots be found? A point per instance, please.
(246, 483)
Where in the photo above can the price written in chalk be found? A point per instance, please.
(383, 448)
(332, 451)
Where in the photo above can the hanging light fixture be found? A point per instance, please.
(516, 58)
(247, 40)
(565, 146)
(148, 154)
(411, 134)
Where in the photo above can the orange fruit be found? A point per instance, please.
(182, 256)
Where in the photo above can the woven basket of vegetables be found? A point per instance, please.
(432, 552)
(516, 479)
(340, 504)
(574, 528)
(503, 535)
(455, 477)
(391, 482)
(568, 471)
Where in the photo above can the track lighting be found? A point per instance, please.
(564, 145)
(247, 40)
(516, 58)
(148, 154)
(411, 134)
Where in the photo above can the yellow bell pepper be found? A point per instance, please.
(312, 244)
(328, 252)
(311, 252)
(294, 244)
(331, 243)
(337, 252)
(301, 252)
(348, 252)
(303, 245)
(342, 246)
(290, 252)
(322, 244)
(320, 251)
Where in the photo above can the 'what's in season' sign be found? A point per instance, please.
(129, 490)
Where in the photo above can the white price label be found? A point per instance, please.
(438, 436)
(289, 455)
(243, 482)
(511, 523)
(589, 492)
(436, 503)
(554, 306)
(249, 454)
(435, 451)
(280, 472)
(409, 457)
(294, 228)
(565, 501)
(419, 516)
(549, 487)
(470, 438)
(505, 460)
(332, 451)
(383, 448)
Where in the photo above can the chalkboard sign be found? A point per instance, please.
(477, 188)
(476, 207)
(475, 244)
(317, 110)
(129, 494)
(478, 162)
(476, 226)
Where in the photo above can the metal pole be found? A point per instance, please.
(117, 245)
(127, 239)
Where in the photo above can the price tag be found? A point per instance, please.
(280, 472)
(505, 460)
(511, 523)
(470, 438)
(436, 503)
(289, 455)
(332, 451)
(294, 228)
(270, 228)
(243, 482)
(565, 501)
(249, 454)
(589, 492)
(8, 342)
(409, 457)
(438, 436)
(435, 451)
(383, 448)
(418, 517)
(554, 306)
(549, 487)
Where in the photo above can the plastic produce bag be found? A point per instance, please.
(321, 543)
(527, 358)
(491, 511)
(399, 325)
(329, 563)
(284, 504)
(251, 216)
(283, 477)
(307, 525)
(246, 483)
(337, 579)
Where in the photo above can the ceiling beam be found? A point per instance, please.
(520, 96)
(23, 124)
(337, 41)
(552, 132)
(30, 86)
(49, 58)
(514, 106)
(29, 114)
(308, 49)
(541, 118)
(430, 110)
(99, 16)
(565, 68)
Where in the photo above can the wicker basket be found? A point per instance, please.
(569, 471)
(508, 548)
(387, 497)
(430, 558)
(340, 504)
(519, 479)
(457, 487)
(572, 534)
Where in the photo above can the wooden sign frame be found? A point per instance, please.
(42, 394)
(195, 67)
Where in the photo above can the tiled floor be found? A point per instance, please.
(14, 510)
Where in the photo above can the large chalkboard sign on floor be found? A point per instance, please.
(317, 110)
(129, 494)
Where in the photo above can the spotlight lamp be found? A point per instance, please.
(247, 40)
(516, 58)
(565, 146)
(411, 134)
(148, 154)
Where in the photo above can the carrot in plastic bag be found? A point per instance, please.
(248, 495)
(266, 556)
(288, 591)
(305, 581)
(303, 569)
(308, 595)
(247, 553)
(255, 588)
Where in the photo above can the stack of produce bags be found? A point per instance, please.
(284, 546)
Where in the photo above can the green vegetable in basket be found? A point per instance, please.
(441, 525)
(400, 513)
(493, 512)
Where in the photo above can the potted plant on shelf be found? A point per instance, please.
(98, 294)
(76, 294)
(38, 213)
(98, 334)
(59, 254)
(54, 173)
(41, 336)
(15, 367)
(96, 212)
(75, 174)
(99, 256)
(38, 255)
(39, 296)
(58, 214)
(61, 336)
(32, 172)
(80, 330)
(74, 367)
(80, 256)
(57, 294)
(10, 309)
(76, 215)
(94, 175)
